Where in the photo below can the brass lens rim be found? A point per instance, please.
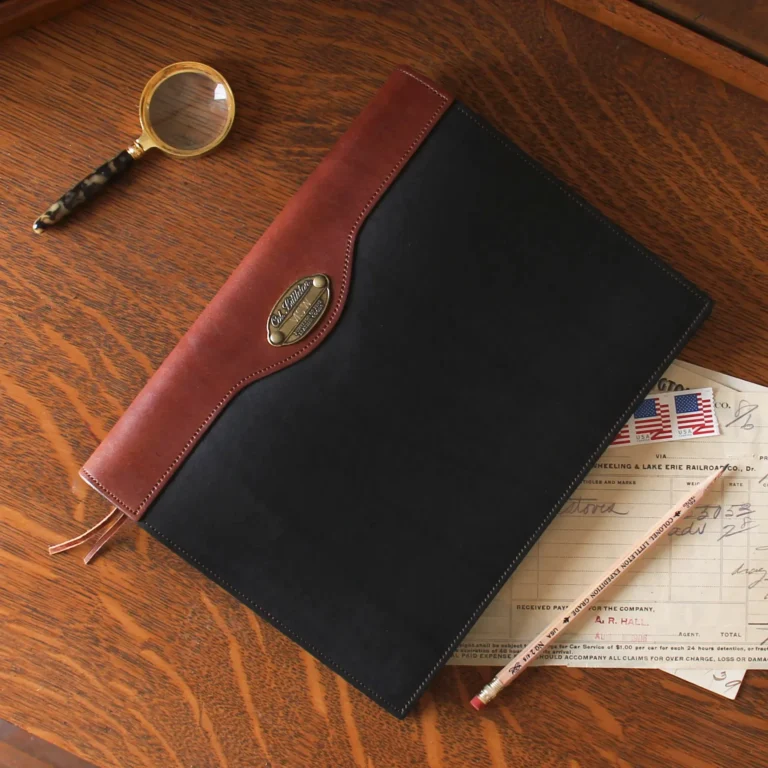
(150, 139)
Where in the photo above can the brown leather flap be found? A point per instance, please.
(227, 347)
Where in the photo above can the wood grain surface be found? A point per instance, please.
(19, 14)
(742, 24)
(138, 660)
(675, 39)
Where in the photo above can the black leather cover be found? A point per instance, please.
(370, 500)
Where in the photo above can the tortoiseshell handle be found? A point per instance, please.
(83, 191)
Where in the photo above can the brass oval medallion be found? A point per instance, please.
(298, 310)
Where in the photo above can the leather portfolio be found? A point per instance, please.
(353, 437)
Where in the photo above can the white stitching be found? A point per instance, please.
(405, 71)
(105, 491)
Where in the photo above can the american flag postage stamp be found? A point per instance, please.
(671, 416)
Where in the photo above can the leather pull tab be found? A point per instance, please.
(103, 531)
(105, 537)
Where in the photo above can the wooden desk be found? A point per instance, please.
(740, 24)
(138, 660)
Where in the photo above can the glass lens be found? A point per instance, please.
(189, 110)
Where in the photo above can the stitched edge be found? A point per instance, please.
(299, 352)
(561, 500)
(558, 504)
(406, 71)
(616, 425)
(272, 619)
(105, 491)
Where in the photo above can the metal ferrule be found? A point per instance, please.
(136, 150)
(490, 691)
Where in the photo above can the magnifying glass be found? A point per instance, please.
(186, 109)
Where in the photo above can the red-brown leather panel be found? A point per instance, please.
(227, 348)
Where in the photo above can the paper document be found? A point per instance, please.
(724, 682)
(700, 602)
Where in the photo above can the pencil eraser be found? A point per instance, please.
(477, 703)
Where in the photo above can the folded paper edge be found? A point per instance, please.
(226, 348)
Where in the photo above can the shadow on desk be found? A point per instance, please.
(19, 749)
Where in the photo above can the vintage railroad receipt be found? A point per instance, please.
(700, 602)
